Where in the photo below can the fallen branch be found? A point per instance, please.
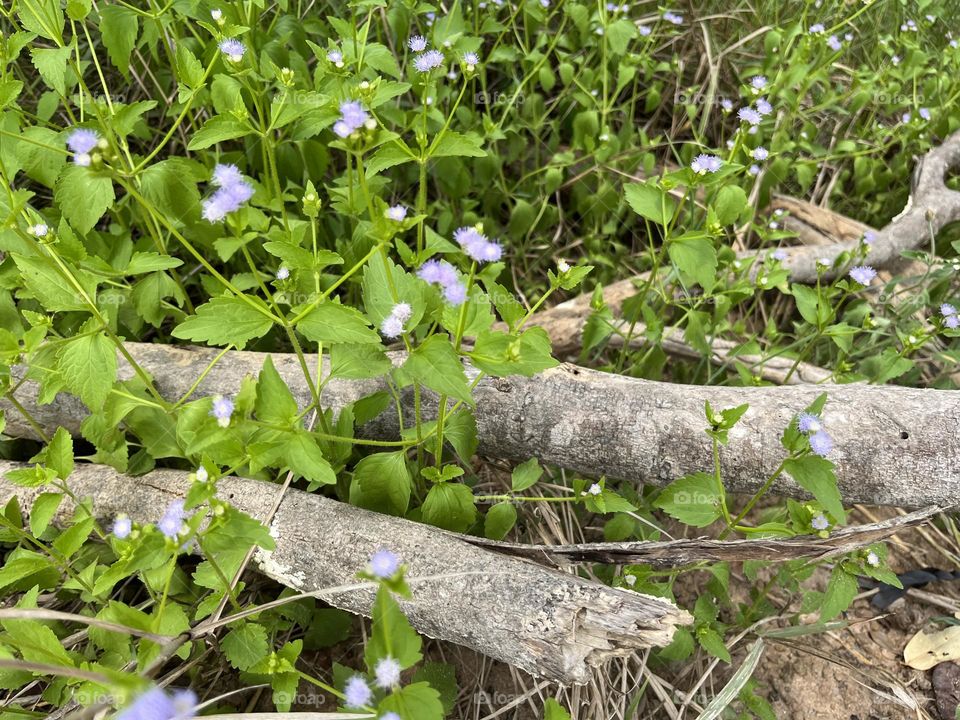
(546, 622)
(892, 445)
(674, 553)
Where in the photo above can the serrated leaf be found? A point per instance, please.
(650, 201)
(525, 475)
(51, 63)
(83, 196)
(224, 321)
(382, 482)
(88, 365)
(332, 323)
(435, 364)
(693, 500)
(59, 453)
(816, 475)
(42, 512)
(499, 520)
(118, 31)
(450, 506)
(840, 592)
(245, 646)
(217, 129)
(454, 144)
(304, 457)
(275, 403)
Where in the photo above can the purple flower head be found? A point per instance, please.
(863, 274)
(396, 213)
(155, 704)
(820, 522)
(222, 410)
(391, 327)
(435, 272)
(946, 309)
(352, 113)
(122, 526)
(703, 164)
(471, 59)
(387, 673)
(833, 42)
(476, 245)
(869, 237)
(341, 129)
(760, 153)
(820, 443)
(758, 82)
(726, 104)
(335, 56)
(672, 17)
(780, 254)
(81, 141)
(924, 113)
(283, 273)
(809, 423)
(417, 43)
(390, 716)
(225, 175)
(763, 106)
(402, 311)
(873, 560)
(233, 49)
(905, 118)
(455, 293)
(172, 521)
(749, 115)
(754, 169)
(817, 28)
(357, 693)
(428, 61)
(645, 30)
(384, 564)
(952, 322)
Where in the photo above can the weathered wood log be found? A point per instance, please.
(892, 445)
(544, 621)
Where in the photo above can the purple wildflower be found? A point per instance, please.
(391, 327)
(905, 118)
(863, 274)
(172, 521)
(873, 560)
(471, 60)
(233, 49)
(706, 163)
(952, 322)
(396, 213)
(672, 17)
(749, 115)
(869, 237)
(224, 175)
(763, 106)
(390, 716)
(384, 564)
(155, 704)
(754, 169)
(946, 309)
(122, 526)
(809, 423)
(760, 153)
(455, 293)
(438, 272)
(817, 28)
(232, 193)
(644, 30)
(82, 140)
(387, 673)
(403, 311)
(758, 82)
(428, 61)
(222, 410)
(726, 104)
(476, 245)
(352, 118)
(821, 443)
(924, 113)
(820, 522)
(282, 273)
(833, 42)
(417, 43)
(357, 693)
(336, 57)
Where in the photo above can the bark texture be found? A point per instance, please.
(893, 445)
(544, 621)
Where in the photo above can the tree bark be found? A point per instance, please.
(544, 621)
(892, 445)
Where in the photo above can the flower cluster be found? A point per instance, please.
(392, 325)
(233, 49)
(950, 317)
(352, 118)
(156, 704)
(820, 522)
(232, 192)
(820, 442)
(442, 273)
(171, 524)
(703, 164)
(863, 274)
(81, 142)
(476, 245)
(672, 17)
(427, 60)
(222, 410)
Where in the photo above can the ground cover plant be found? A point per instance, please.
(391, 197)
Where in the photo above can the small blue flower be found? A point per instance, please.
(396, 213)
(455, 293)
(122, 526)
(821, 443)
(833, 42)
(82, 140)
(780, 254)
(869, 237)
(644, 30)
(336, 57)
(924, 113)
(430, 60)
(946, 309)
(863, 274)
(817, 28)
(384, 564)
(749, 115)
(225, 174)
(387, 673)
(820, 522)
(222, 410)
(390, 716)
(754, 169)
(233, 191)
(763, 106)
(726, 104)
(391, 327)
(760, 153)
(282, 273)
(703, 164)
(417, 43)
(172, 521)
(952, 322)
(758, 82)
(233, 49)
(809, 423)
(357, 693)
(471, 60)
(672, 17)
(155, 704)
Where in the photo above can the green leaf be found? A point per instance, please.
(23, 567)
(417, 701)
(88, 365)
(169, 185)
(711, 641)
(696, 258)
(189, 68)
(382, 482)
(808, 303)
(651, 202)
(59, 453)
(693, 500)
(391, 634)
(83, 196)
(43, 510)
(435, 364)
(499, 520)
(245, 646)
(526, 474)
(275, 403)
(454, 144)
(356, 362)
(387, 156)
(552, 710)
(43, 279)
(217, 129)
(43, 17)
(304, 457)
(224, 321)
(840, 592)
(51, 63)
(333, 323)
(816, 475)
(501, 355)
(144, 262)
(118, 31)
(729, 203)
(450, 506)
(31, 477)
